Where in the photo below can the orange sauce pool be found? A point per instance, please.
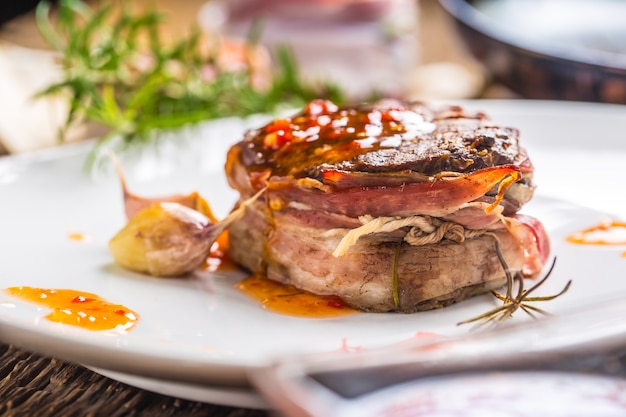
(608, 233)
(286, 299)
(611, 233)
(78, 308)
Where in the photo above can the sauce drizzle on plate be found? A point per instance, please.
(77, 237)
(606, 233)
(79, 308)
(288, 300)
(609, 233)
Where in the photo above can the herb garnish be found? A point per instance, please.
(511, 303)
(118, 72)
(395, 279)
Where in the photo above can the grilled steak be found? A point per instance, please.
(392, 207)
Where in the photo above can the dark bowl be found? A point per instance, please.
(12, 9)
(578, 55)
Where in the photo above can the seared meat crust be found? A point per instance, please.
(428, 142)
(450, 148)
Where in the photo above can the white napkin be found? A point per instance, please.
(28, 123)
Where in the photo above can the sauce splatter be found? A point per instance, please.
(345, 347)
(286, 299)
(78, 237)
(606, 233)
(78, 308)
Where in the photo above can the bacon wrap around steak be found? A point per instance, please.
(392, 207)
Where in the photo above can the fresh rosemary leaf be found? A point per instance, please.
(117, 72)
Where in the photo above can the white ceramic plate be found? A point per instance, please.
(201, 331)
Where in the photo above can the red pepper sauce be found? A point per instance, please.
(288, 300)
(78, 308)
(325, 133)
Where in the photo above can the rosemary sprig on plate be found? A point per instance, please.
(118, 72)
(394, 278)
(513, 302)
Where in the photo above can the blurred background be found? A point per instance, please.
(362, 49)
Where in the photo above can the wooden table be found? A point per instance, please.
(37, 385)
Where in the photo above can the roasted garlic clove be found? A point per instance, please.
(169, 239)
(166, 239)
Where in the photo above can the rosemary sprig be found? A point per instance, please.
(395, 280)
(118, 72)
(511, 303)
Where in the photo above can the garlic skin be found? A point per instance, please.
(165, 239)
(170, 239)
(134, 203)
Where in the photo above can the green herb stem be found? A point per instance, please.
(117, 72)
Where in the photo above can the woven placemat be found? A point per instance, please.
(37, 385)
